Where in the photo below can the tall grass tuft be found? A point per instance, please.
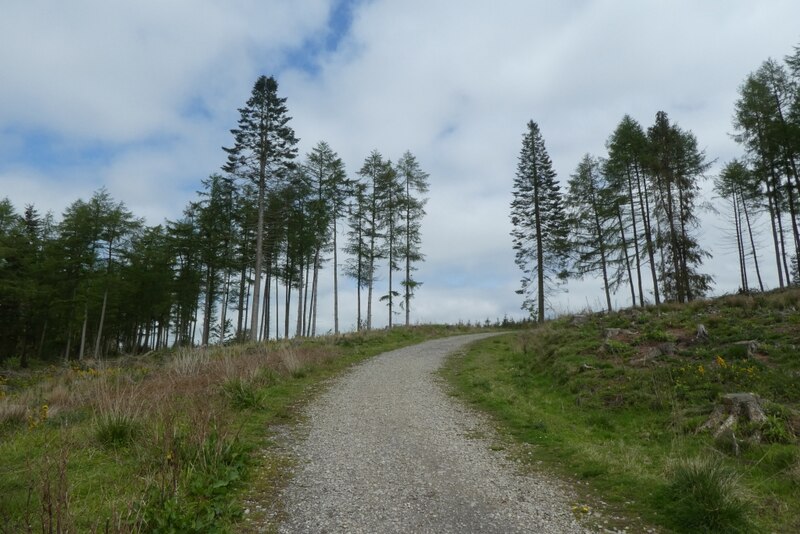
(12, 413)
(290, 361)
(116, 430)
(703, 495)
(243, 394)
(117, 410)
(189, 361)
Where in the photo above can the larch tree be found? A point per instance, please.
(264, 148)
(765, 125)
(331, 189)
(375, 173)
(675, 166)
(414, 182)
(391, 209)
(117, 227)
(736, 184)
(357, 246)
(626, 173)
(590, 215)
(539, 223)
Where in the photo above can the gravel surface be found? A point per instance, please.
(386, 450)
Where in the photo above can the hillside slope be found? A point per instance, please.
(633, 405)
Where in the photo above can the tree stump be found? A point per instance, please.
(702, 333)
(750, 347)
(733, 409)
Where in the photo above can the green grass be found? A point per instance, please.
(593, 412)
(174, 442)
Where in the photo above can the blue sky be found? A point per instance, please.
(139, 97)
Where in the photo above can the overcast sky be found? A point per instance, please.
(138, 97)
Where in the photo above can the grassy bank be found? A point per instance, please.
(170, 442)
(618, 403)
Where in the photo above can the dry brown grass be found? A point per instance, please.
(12, 412)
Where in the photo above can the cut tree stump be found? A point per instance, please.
(750, 346)
(702, 333)
(734, 408)
(662, 349)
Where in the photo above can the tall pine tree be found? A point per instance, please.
(264, 147)
(539, 223)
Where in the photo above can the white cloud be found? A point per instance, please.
(158, 84)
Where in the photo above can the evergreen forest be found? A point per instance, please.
(242, 262)
(631, 219)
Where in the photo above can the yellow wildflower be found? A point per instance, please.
(721, 361)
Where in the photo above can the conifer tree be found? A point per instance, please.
(263, 150)
(358, 265)
(675, 166)
(377, 175)
(626, 172)
(414, 182)
(736, 184)
(539, 223)
(331, 189)
(591, 213)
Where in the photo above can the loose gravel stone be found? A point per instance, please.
(388, 451)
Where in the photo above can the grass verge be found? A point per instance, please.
(617, 403)
(171, 442)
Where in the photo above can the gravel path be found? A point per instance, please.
(388, 451)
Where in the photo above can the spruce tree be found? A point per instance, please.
(539, 223)
(264, 148)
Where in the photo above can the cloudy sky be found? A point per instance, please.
(138, 97)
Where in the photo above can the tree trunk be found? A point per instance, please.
(627, 259)
(207, 308)
(254, 318)
(752, 243)
(83, 331)
(287, 297)
(644, 204)
(740, 244)
(335, 282)
(314, 296)
(300, 303)
(539, 256)
(100, 326)
(277, 304)
(635, 241)
(391, 258)
(41, 341)
(774, 214)
(370, 282)
(224, 306)
(267, 300)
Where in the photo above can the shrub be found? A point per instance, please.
(703, 495)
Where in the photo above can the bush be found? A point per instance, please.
(703, 495)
